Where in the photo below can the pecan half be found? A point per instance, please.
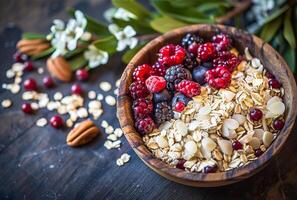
(32, 47)
(82, 134)
(59, 68)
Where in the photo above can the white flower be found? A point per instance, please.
(124, 36)
(124, 14)
(95, 56)
(65, 39)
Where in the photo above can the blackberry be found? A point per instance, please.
(189, 39)
(190, 61)
(162, 112)
(176, 74)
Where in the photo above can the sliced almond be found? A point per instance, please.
(225, 146)
(267, 138)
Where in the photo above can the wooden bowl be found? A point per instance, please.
(258, 48)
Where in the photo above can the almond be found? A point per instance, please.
(59, 68)
(32, 47)
(82, 134)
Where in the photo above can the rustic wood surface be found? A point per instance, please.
(36, 163)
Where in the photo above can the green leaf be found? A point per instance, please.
(132, 6)
(189, 15)
(78, 62)
(43, 54)
(207, 7)
(139, 26)
(165, 24)
(276, 14)
(290, 56)
(288, 29)
(128, 55)
(93, 26)
(75, 52)
(270, 29)
(108, 44)
(33, 36)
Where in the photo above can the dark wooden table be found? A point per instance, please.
(35, 163)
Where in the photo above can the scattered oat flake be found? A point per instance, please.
(110, 100)
(100, 97)
(109, 129)
(125, 157)
(105, 86)
(41, 122)
(108, 144)
(104, 124)
(40, 70)
(58, 96)
(118, 132)
(119, 162)
(118, 82)
(15, 88)
(92, 94)
(69, 123)
(6, 103)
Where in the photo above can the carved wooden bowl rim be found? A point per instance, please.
(125, 115)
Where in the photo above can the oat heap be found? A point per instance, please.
(225, 128)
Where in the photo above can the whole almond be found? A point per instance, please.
(59, 68)
(82, 134)
(33, 46)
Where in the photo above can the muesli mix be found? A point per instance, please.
(203, 107)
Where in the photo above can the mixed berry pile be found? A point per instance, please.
(177, 76)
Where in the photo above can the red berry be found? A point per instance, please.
(155, 84)
(278, 124)
(56, 121)
(206, 51)
(274, 84)
(188, 88)
(82, 74)
(159, 69)
(138, 90)
(19, 57)
(193, 48)
(142, 72)
(210, 169)
(258, 152)
(26, 107)
(218, 77)
(28, 66)
(171, 55)
(179, 106)
(226, 59)
(142, 108)
(180, 164)
(145, 126)
(236, 145)
(48, 82)
(269, 75)
(30, 84)
(222, 41)
(76, 89)
(255, 114)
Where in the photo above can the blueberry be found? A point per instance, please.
(207, 65)
(198, 74)
(162, 96)
(179, 97)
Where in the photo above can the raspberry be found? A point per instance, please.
(171, 55)
(218, 77)
(159, 69)
(145, 126)
(138, 90)
(189, 39)
(226, 59)
(222, 42)
(188, 88)
(206, 51)
(155, 84)
(142, 108)
(142, 72)
(176, 74)
(190, 61)
(162, 112)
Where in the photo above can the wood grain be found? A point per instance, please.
(268, 56)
